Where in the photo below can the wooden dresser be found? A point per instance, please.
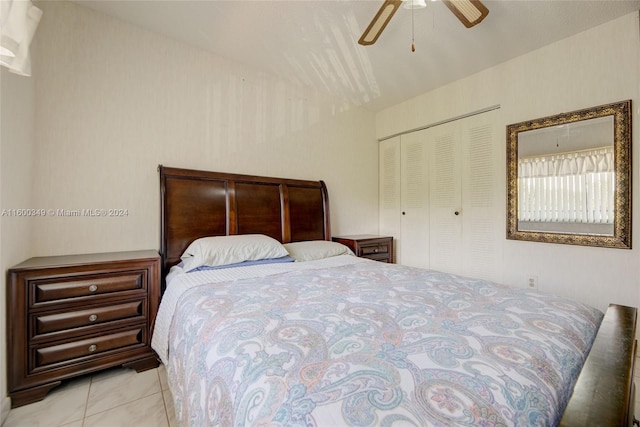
(72, 315)
(378, 248)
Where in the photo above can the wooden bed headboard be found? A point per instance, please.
(197, 204)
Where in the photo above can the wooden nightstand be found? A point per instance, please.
(72, 315)
(379, 248)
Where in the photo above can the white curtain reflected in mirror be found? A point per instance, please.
(566, 178)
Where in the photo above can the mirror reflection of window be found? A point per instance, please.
(566, 178)
(577, 187)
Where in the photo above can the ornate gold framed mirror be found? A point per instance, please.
(569, 178)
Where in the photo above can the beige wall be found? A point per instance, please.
(16, 153)
(114, 101)
(595, 67)
(108, 102)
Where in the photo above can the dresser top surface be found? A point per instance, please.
(71, 260)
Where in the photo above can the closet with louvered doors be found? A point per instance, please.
(442, 195)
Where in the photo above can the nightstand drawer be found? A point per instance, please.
(377, 248)
(366, 250)
(71, 351)
(48, 323)
(84, 286)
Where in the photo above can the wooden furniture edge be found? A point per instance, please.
(603, 394)
(141, 358)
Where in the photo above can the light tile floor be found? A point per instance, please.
(119, 397)
(111, 398)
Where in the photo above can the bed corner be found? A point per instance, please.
(604, 392)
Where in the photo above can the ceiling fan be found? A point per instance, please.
(469, 12)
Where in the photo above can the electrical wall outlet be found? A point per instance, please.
(532, 282)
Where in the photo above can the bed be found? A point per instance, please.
(264, 320)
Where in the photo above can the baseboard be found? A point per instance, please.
(5, 407)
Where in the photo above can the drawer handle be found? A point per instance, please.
(93, 288)
(93, 318)
(375, 251)
(92, 348)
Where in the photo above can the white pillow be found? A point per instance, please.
(316, 249)
(223, 250)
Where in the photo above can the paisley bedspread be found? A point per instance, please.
(379, 344)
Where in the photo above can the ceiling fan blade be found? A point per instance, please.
(382, 18)
(469, 12)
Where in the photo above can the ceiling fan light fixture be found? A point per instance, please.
(8, 47)
(18, 22)
(469, 12)
(414, 4)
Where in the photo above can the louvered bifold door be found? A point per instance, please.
(389, 192)
(445, 200)
(482, 197)
(414, 235)
(466, 197)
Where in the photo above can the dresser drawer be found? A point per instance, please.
(72, 351)
(49, 323)
(43, 291)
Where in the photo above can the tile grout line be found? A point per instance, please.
(123, 404)
(86, 402)
(164, 402)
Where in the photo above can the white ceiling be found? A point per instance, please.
(314, 42)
